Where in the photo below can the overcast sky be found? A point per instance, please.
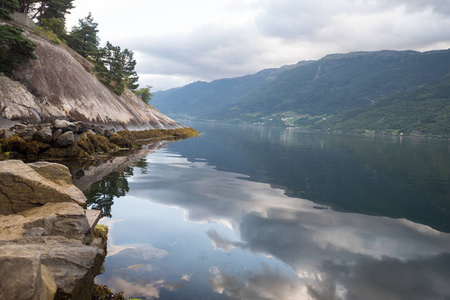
(179, 41)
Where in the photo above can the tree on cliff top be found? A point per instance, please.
(144, 94)
(110, 68)
(14, 48)
(46, 9)
(7, 7)
(128, 65)
(83, 38)
(116, 68)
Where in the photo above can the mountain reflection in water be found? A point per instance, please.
(229, 215)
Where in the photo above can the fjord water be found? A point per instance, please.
(269, 213)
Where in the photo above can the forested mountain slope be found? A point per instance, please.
(309, 93)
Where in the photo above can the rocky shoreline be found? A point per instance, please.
(49, 248)
(63, 139)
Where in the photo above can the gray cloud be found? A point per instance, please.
(387, 278)
(333, 255)
(266, 284)
(296, 30)
(267, 33)
(293, 19)
(211, 51)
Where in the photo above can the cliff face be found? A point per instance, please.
(57, 86)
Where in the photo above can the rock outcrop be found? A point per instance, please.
(58, 86)
(46, 241)
(25, 186)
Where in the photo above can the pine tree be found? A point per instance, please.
(14, 48)
(110, 68)
(55, 9)
(7, 7)
(39, 9)
(128, 64)
(83, 38)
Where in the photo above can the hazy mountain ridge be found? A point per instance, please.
(309, 93)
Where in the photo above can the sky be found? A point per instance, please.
(177, 42)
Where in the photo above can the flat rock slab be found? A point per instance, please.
(62, 219)
(25, 186)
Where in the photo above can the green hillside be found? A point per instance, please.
(425, 110)
(337, 92)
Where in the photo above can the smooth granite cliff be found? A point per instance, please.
(60, 85)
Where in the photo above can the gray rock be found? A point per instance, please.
(82, 127)
(77, 138)
(65, 126)
(44, 135)
(108, 133)
(22, 187)
(56, 134)
(18, 127)
(22, 277)
(26, 133)
(72, 264)
(7, 133)
(43, 251)
(36, 231)
(61, 219)
(66, 139)
(99, 130)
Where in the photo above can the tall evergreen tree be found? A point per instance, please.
(55, 9)
(83, 38)
(27, 6)
(129, 73)
(38, 9)
(7, 7)
(110, 68)
(14, 48)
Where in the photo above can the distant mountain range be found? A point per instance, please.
(394, 92)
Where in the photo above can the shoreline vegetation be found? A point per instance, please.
(87, 146)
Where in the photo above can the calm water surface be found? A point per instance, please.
(264, 213)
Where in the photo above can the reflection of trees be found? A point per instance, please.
(101, 194)
(143, 165)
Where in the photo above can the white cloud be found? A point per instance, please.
(177, 42)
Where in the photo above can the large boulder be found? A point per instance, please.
(46, 248)
(22, 187)
(72, 264)
(43, 135)
(67, 139)
(65, 126)
(23, 277)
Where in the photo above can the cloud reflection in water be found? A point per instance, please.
(334, 255)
